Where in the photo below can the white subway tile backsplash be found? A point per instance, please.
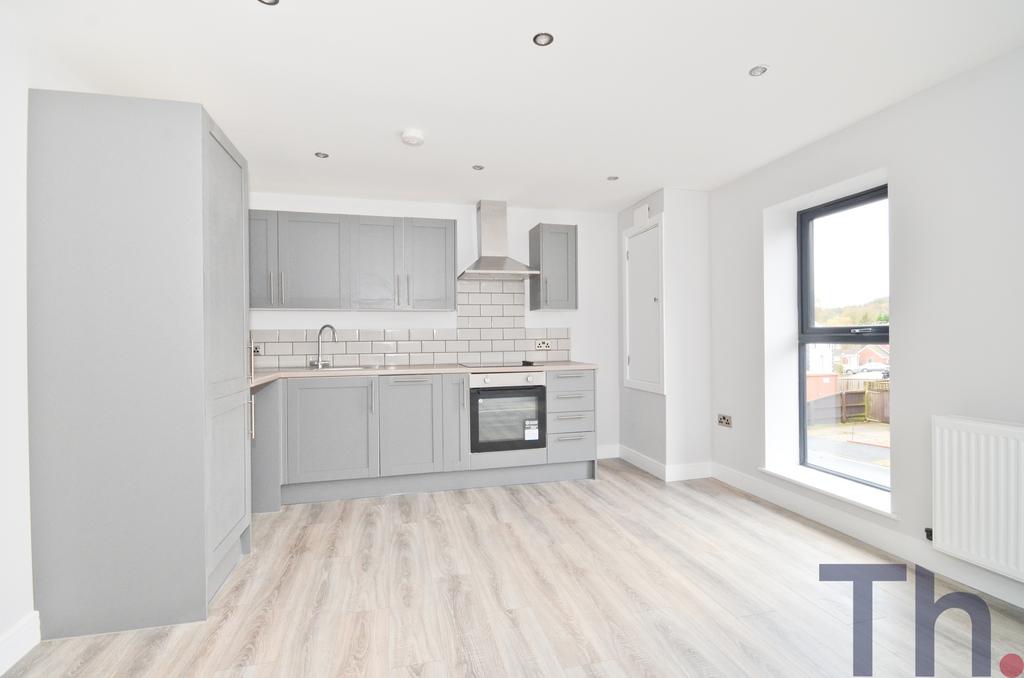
(501, 322)
(519, 322)
(304, 347)
(491, 286)
(462, 322)
(332, 347)
(421, 335)
(468, 334)
(518, 298)
(396, 359)
(433, 346)
(491, 333)
(537, 356)
(279, 349)
(491, 357)
(558, 333)
(373, 359)
(456, 346)
(469, 357)
(490, 310)
(481, 346)
(343, 335)
(479, 298)
(513, 333)
(501, 299)
(344, 360)
(293, 361)
(421, 358)
(461, 298)
(469, 310)
(445, 334)
(445, 358)
(408, 347)
(503, 345)
(469, 286)
(526, 345)
(513, 356)
(384, 347)
(512, 286)
(563, 344)
(479, 322)
(558, 355)
(514, 309)
(371, 335)
(291, 335)
(357, 347)
(396, 335)
(536, 333)
(263, 335)
(265, 362)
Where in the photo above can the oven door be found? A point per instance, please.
(512, 418)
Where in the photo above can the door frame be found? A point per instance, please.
(652, 387)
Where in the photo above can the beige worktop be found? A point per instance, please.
(262, 377)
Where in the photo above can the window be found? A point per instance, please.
(844, 337)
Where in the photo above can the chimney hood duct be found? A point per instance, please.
(493, 262)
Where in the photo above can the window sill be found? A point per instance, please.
(863, 496)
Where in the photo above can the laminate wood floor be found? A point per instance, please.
(622, 576)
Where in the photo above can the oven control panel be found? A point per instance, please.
(501, 379)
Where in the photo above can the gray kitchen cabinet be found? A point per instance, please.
(139, 491)
(455, 406)
(333, 431)
(263, 267)
(376, 259)
(429, 264)
(313, 267)
(553, 252)
(411, 424)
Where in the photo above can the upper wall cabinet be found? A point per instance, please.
(553, 252)
(351, 262)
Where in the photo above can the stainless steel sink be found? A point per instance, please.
(339, 369)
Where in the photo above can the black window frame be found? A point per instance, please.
(808, 332)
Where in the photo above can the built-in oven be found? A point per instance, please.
(508, 411)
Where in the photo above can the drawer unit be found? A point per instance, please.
(570, 422)
(566, 447)
(571, 380)
(570, 401)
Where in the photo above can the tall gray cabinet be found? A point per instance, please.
(140, 441)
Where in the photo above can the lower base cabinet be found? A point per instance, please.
(333, 429)
(411, 423)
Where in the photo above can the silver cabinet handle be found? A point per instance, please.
(571, 416)
(569, 395)
(560, 375)
(371, 395)
(410, 381)
(408, 291)
(280, 285)
(270, 276)
(579, 437)
(462, 393)
(252, 417)
(398, 291)
(547, 297)
(252, 361)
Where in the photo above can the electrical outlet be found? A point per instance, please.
(257, 349)
(725, 420)
(543, 345)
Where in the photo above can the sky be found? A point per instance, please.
(851, 256)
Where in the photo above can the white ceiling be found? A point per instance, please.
(655, 91)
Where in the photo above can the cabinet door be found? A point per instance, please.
(311, 271)
(410, 425)
(558, 266)
(225, 270)
(332, 429)
(263, 266)
(376, 257)
(455, 404)
(429, 247)
(227, 473)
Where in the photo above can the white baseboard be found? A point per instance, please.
(867, 529)
(608, 451)
(670, 473)
(18, 641)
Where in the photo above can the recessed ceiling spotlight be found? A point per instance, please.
(613, 178)
(412, 137)
(478, 168)
(319, 154)
(543, 39)
(270, 2)
(758, 71)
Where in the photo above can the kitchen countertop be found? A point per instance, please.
(262, 377)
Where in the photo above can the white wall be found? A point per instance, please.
(593, 328)
(952, 156)
(19, 624)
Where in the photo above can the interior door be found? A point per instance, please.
(643, 309)
(310, 251)
(376, 257)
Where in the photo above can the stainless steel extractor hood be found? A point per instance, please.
(493, 262)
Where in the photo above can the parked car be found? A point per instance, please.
(868, 367)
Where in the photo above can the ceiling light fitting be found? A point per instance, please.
(613, 178)
(412, 137)
(758, 71)
(319, 154)
(478, 168)
(270, 2)
(543, 39)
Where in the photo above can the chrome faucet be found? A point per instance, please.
(320, 363)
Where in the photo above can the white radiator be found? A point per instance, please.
(978, 492)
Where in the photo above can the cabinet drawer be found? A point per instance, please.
(563, 447)
(570, 422)
(570, 401)
(570, 380)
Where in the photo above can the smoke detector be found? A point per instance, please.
(412, 137)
